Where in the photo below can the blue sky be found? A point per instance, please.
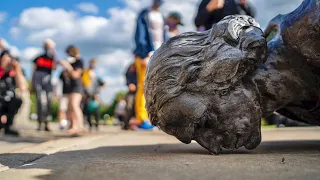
(100, 28)
(13, 8)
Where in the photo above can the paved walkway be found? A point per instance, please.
(113, 154)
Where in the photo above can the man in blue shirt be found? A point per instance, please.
(149, 36)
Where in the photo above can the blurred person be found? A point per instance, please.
(2, 45)
(41, 82)
(173, 21)
(64, 88)
(120, 110)
(74, 69)
(131, 77)
(212, 11)
(149, 36)
(11, 77)
(93, 86)
(246, 8)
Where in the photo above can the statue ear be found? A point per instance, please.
(226, 65)
(223, 63)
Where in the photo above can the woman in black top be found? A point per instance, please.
(74, 67)
(212, 11)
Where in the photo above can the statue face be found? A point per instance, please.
(217, 104)
(228, 121)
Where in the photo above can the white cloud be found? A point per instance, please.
(30, 53)
(44, 17)
(266, 10)
(88, 8)
(14, 32)
(3, 16)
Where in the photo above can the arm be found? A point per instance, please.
(54, 65)
(19, 77)
(205, 9)
(249, 9)
(75, 73)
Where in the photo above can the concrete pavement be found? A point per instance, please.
(113, 154)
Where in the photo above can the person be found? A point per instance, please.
(74, 67)
(212, 11)
(173, 21)
(64, 86)
(41, 82)
(149, 36)
(93, 85)
(11, 77)
(131, 77)
(120, 110)
(2, 45)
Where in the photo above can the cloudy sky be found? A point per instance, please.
(100, 28)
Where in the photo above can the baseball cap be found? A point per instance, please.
(176, 16)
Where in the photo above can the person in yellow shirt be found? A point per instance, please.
(92, 85)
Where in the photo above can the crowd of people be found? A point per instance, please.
(80, 89)
(81, 86)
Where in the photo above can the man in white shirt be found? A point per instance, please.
(149, 36)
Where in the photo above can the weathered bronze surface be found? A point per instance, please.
(213, 87)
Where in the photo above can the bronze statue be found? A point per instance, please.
(213, 87)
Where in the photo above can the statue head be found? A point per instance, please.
(198, 85)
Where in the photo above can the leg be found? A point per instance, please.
(38, 91)
(48, 112)
(70, 112)
(97, 117)
(141, 112)
(13, 108)
(129, 110)
(89, 119)
(77, 114)
(63, 107)
(87, 114)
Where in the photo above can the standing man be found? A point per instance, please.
(212, 11)
(149, 36)
(131, 77)
(41, 82)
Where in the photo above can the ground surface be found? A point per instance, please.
(114, 154)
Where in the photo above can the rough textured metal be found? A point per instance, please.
(213, 87)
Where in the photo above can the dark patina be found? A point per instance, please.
(213, 87)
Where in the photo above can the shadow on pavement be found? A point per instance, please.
(170, 161)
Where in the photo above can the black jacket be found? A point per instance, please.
(231, 7)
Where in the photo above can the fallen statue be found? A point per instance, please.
(213, 87)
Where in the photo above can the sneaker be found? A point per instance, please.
(63, 125)
(47, 129)
(145, 125)
(10, 131)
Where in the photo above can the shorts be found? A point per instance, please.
(64, 101)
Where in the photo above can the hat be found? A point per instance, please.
(176, 16)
